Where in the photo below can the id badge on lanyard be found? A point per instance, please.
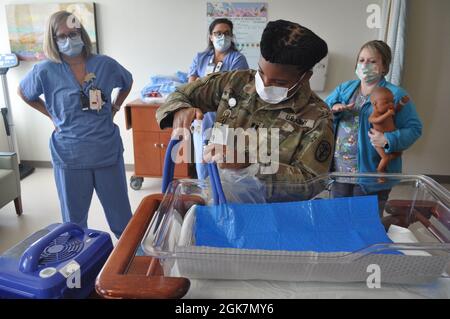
(213, 68)
(209, 69)
(95, 99)
(218, 67)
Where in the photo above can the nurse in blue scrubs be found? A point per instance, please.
(86, 147)
(220, 55)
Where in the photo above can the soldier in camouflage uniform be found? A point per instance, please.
(288, 53)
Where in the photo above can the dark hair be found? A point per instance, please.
(211, 28)
(383, 49)
(286, 42)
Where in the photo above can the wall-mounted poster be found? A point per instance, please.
(249, 20)
(26, 26)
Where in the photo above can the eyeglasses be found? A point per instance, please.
(220, 33)
(63, 37)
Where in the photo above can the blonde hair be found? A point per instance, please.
(383, 49)
(50, 46)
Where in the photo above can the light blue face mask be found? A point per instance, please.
(368, 73)
(222, 43)
(71, 47)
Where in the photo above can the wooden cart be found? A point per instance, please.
(150, 143)
(128, 276)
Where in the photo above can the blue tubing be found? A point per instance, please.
(215, 180)
(169, 166)
(215, 195)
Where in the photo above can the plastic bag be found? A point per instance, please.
(246, 186)
(163, 84)
(242, 185)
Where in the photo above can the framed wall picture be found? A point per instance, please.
(26, 26)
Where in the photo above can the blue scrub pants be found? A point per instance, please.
(75, 188)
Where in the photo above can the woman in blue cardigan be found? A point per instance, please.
(355, 139)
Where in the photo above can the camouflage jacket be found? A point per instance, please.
(306, 139)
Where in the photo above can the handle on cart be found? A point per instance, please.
(214, 193)
(125, 275)
(169, 165)
(30, 258)
(169, 168)
(216, 185)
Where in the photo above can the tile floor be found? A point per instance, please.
(41, 207)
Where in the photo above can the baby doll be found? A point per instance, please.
(382, 120)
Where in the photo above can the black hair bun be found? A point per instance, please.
(286, 42)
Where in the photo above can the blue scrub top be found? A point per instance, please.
(83, 139)
(234, 60)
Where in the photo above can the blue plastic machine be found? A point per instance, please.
(60, 261)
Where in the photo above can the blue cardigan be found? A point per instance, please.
(407, 122)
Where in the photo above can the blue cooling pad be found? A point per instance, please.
(329, 225)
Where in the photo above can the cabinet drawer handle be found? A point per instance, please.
(156, 145)
(162, 145)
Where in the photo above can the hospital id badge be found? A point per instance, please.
(210, 69)
(95, 100)
(219, 134)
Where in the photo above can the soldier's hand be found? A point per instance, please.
(218, 153)
(183, 119)
(342, 107)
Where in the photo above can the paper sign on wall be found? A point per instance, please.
(249, 20)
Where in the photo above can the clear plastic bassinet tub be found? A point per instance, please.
(416, 217)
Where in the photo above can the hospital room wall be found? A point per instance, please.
(161, 37)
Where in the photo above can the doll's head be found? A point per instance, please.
(382, 100)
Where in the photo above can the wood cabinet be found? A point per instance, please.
(150, 143)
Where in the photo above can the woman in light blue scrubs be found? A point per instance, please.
(220, 55)
(86, 147)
